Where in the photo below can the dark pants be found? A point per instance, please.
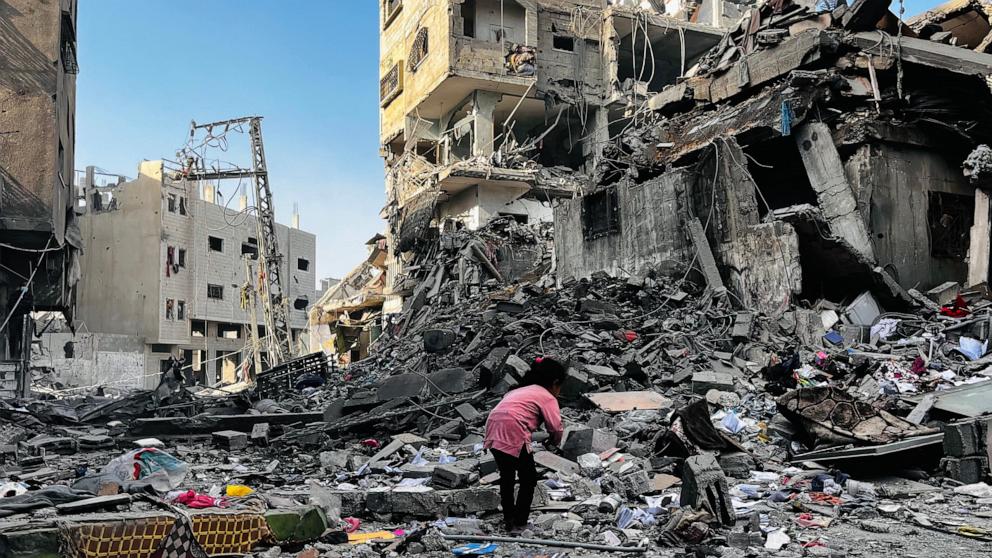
(516, 513)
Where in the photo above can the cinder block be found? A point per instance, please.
(709, 379)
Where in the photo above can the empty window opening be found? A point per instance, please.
(303, 264)
(181, 310)
(161, 348)
(172, 203)
(661, 64)
(561, 42)
(419, 50)
(182, 205)
(779, 173)
(215, 292)
(229, 331)
(198, 328)
(950, 217)
(181, 257)
(249, 249)
(216, 244)
(170, 309)
(468, 18)
(70, 63)
(600, 214)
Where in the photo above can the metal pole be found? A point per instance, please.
(543, 542)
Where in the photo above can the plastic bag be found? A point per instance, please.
(159, 469)
(238, 490)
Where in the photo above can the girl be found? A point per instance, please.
(508, 435)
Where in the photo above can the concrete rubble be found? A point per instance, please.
(758, 376)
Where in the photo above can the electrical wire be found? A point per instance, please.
(24, 289)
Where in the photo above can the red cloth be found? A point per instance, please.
(518, 415)
(191, 499)
(958, 309)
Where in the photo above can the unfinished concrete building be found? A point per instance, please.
(38, 232)
(496, 107)
(810, 155)
(192, 304)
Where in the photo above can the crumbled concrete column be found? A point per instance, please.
(705, 486)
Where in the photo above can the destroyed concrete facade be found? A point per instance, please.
(820, 159)
(494, 108)
(190, 305)
(38, 231)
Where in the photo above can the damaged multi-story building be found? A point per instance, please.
(39, 237)
(191, 301)
(810, 154)
(496, 108)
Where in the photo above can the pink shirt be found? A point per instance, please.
(518, 415)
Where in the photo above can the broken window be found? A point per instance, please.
(302, 264)
(182, 205)
(170, 306)
(181, 310)
(250, 249)
(216, 244)
(950, 217)
(560, 42)
(600, 214)
(181, 258)
(171, 203)
(197, 328)
(215, 292)
(419, 50)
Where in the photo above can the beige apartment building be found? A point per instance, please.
(167, 263)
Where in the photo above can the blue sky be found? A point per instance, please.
(310, 67)
(148, 67)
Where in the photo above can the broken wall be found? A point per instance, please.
(899, 183)
(649, 236)
(92, 359)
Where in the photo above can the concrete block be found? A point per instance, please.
(438, 340)
(737, 464)
(469, 501)
(401, 386)
(260, 434)
(408, 439)
(704, 486)
(708, 379)
(334, 460)
(231, 440)
(448, 380)
(588, 440)
(411, 471)
(966, 438)
(967, 470)
(590, 464)
(467, 412)
(636, 483)
(451, 476)
(576, 384)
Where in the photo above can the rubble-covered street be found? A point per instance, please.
(756, 236)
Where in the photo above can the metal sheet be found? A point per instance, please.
(618, 402)
(839, 454)
(968, 401)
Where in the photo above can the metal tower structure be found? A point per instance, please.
(275, 303)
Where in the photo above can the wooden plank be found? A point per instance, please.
(926, 53)
(621, 401)
(978, 250)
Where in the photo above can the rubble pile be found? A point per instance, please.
(691, 427)
(707, 413)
